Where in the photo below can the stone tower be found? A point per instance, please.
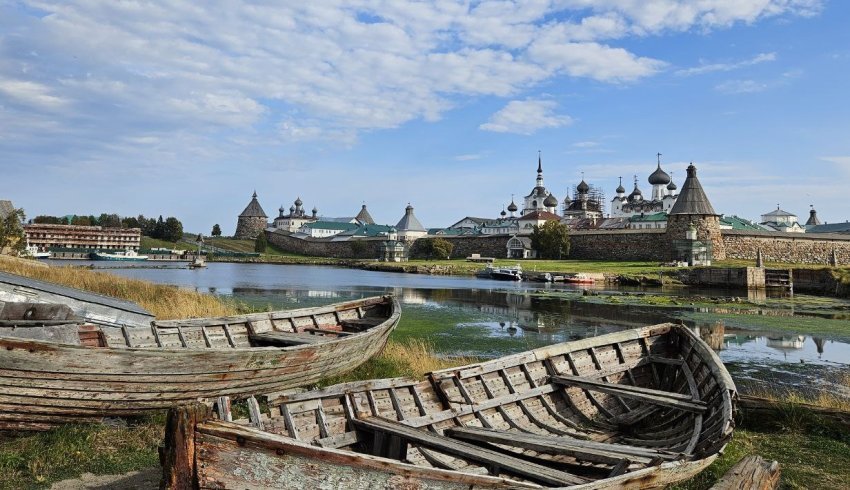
(252, 221)
(693, 208)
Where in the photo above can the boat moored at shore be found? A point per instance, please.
(121, 255)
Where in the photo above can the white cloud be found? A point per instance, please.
(585, 144)
(31, 94)
(741, 87)
(526, 117)
(466, 158)
(717, 67)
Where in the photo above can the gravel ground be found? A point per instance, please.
(135, 480)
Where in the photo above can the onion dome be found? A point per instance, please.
(621, 189)
(512, 207)
(315, 210)
(298, 202)
(291, 209)
(671, 186)
(550, 201)
(582, 187)
(503, 213)
(659, 177)
(281, 209)
(636, 194)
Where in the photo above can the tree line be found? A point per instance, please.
(168, 229)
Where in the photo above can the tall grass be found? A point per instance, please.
(165, 302)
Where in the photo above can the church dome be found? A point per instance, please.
(281, 209)
(659, 177)
(550, 201)
(621, 189)
(315, 210)
(512, 207)
(582, 187)
(636, 194)
(298, 201)
(503, 213)
(671, 186)
(291, 209)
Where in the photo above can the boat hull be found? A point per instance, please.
(398, 432)
(43, 384)
(118, 258)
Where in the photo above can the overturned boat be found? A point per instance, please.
(81, 372)
(641, 408)
(91, 307)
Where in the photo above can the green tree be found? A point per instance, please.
(441, 248)
(216, 231)
(172, 229)
(109, 220)
(82, 221)
(431, 248)
(552, 240)
(261, 243)
(49, 220)
(130, 222)
(159, 228)
(12, 232)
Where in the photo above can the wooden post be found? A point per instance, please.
(751, 473)
(177, 456)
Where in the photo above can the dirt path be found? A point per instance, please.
(135, 480)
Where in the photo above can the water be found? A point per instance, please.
(486, 318)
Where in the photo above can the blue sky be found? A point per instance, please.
(180, 109)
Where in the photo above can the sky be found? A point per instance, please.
(183, 108)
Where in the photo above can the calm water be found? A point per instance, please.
(470, 316)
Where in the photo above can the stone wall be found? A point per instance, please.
(365, 248)
(249, 228)
(618, 245)
(744, 277)
(797, 248)
(488, 246)
(707, 228)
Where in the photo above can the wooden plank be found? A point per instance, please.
(223, 408)
(126, 335)
(254, 414)
(288, 422)
(156, 335)
(329, 332)
(490, 458)
(658, 397)
(181, 337)
(322, 421)
(286, 339)
(206, 336)
(230, 341)
(339, 440)
(751, 473)
(597, 452)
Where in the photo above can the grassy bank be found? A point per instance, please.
(165, 302)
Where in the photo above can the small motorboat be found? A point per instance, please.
(501, 273)
(121, 255)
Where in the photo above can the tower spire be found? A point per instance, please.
(539, 163)
(659, 159)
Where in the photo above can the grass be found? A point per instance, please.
(148, 243)
(164, 302)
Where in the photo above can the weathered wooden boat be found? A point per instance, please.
(580, 278)
(641, 408)
(103, 371)
(91, 307)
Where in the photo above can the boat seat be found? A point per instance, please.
(284, 339)
(361, 323)
(400, 435)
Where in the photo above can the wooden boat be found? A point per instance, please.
(91, 307)
(641, 408)
(579, 278)
(124, 371)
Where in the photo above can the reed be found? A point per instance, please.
(165, 302)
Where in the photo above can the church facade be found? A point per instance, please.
(661, 199)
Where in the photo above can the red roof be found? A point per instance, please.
(540, 215)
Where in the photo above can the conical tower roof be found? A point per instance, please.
(813, 218)
(692, 199)
(408, 222)
(364, 217)
(253, 210)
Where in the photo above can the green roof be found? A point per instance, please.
(368, 230)
(331, 225)
(737, 223)
(649, 217)
(445, 231)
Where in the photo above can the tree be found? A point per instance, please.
(172, 229)
(130, 222)
(159, 228)
(12, 232)
(82, 220)
(109, 220)
(552, 240)
(49, 220)
(216, 231)
(431, 248)
(261, 243)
